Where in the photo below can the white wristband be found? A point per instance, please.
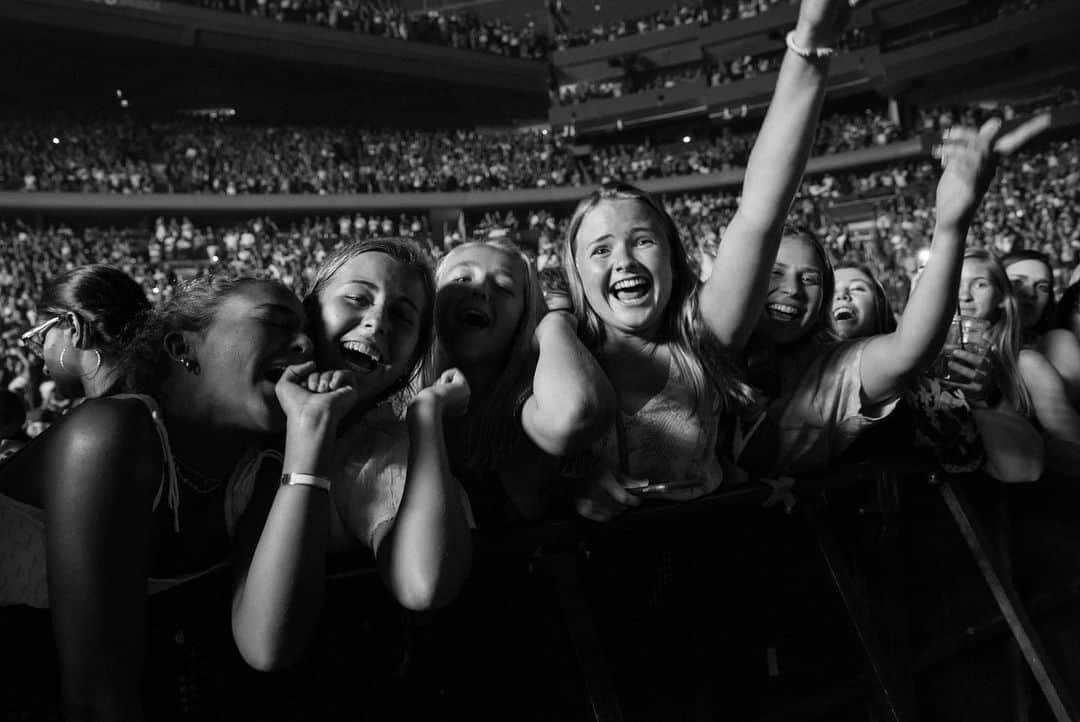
(808, 53)
(319, 482)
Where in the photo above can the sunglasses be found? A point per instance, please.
(34, 339)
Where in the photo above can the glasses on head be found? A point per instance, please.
(34, 339)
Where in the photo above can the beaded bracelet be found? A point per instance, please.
(808, 53)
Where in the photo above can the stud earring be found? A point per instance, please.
(191, 365)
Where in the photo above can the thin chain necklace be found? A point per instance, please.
(195, 480)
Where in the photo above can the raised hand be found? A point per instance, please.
(969, 159)
(969, 372)
(822, 22)
(318, 397)
(450, 391)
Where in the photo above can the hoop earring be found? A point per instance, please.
(62, 352)
(97, 368)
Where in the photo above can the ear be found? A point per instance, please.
(176, 346)
(78, 331)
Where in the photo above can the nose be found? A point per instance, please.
(793, 287)
(965, 292)
(842, 294)
(375, 319)
(301, 348)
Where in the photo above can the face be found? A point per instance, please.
(480, 303)
(1032, 284)
(624, 262)
(979, 297)
(256, 332)
(795, 293)
(371, 317)
(853, 313)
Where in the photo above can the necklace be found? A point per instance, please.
(195, 480)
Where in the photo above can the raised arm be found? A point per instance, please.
(280, 552)
(425, 551)
(101, 475)
(732, 298)
(969, 163)
(572, 402)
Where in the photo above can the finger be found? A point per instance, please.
(324, 383)
(313, 381)
(297, 372)
(964, 370)
(337, 380)
(1011, 141)
(974, 360)
(988, 131)
(587, 508)
(617, 487)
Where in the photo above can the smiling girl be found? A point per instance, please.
(664, 338)
(128, 495)
(537, 392)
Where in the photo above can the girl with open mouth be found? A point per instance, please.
(538, 394)
(820, 395)
(388, 486)
(665, 339)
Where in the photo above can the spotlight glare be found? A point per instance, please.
(686, 139)
(55, 140)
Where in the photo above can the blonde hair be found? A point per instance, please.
(493, 434)
(1006, 335)
(701, 361)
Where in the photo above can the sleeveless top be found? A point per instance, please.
(667, 441)
(22, 526)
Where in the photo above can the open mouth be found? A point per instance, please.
(474, 317)
(783, 312)
(362, 356)
(844, 313)
(629, 290)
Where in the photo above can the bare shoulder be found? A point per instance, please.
(1037, 371)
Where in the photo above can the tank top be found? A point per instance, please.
(23, 578)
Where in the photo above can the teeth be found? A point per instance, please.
(783, 308)
(364, 348)
(629, 283)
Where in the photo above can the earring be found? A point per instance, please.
(97, 368)
(191, 365)
(62, 352)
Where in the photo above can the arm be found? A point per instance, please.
(100, 478)
(572, 401)
(1063, 351)
(280, 557)
(732, 298)
(425, 551)
(1058, 418)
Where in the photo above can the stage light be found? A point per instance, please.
(924, 256)
(686, 139)
(124, 103)
(55, 140)
(119, 93)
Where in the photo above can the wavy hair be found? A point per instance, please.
(404, 251)
(1006, 335)
(493, 434)
(699, 357)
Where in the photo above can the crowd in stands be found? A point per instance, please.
(681, 13)
(191, 156)
(1035, 204)
(386, 19)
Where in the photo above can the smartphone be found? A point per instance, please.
(656, 489)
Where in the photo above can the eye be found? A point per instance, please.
(599, 251)
(644, 241)
(811, 279)
(981, 285)
(777, 272)
(460, 279)
(1043, 288)
(359, 301)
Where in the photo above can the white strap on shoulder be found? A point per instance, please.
(168, 471)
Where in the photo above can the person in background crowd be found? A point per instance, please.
(127, 494)
(1032, 280)
(1028, 383)
(12, 422)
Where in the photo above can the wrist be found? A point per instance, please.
(810, 39)
(425, 404)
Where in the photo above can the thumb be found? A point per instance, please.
(297, 372)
